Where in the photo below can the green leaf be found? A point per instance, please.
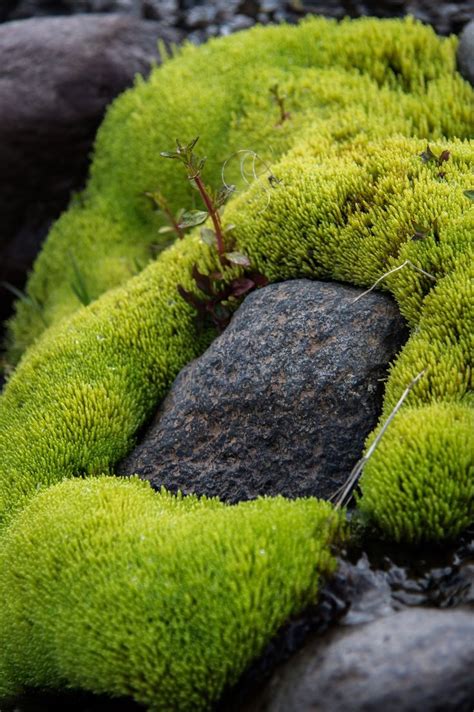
(165, 229)
(238, 258)
(78, 285)
(469, 194)
(224, 194)
(428, 155)
(208, 236)
(193, 217)
(26, 298)
(192, 143)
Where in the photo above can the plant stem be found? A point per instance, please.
(211, 209)
(173, 222)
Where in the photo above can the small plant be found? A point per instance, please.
(421, 231)
(78, 283)
(428, 156)
(174, 220)
(279, 100)
(215, 289)
(27, 299)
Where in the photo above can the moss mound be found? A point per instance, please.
(78, 398)
(84, 562)
(366, 77)
(108, 586)
(422, 476)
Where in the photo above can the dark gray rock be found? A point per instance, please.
(466, 52)
(215, 17)
(417, 659)
(20, 9)
(281, 402)
(56, 78)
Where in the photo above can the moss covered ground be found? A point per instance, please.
(356, 196)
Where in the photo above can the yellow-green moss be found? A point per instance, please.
(421, 477)
(366, 77)
(101, 374)
(78, 398)
(162, 598)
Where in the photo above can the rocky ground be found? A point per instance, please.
(201, 19)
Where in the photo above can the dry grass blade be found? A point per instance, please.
(392, 271)
(344, 494)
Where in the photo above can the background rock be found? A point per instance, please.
(418, 659)
(205, 18)
(466, 52)
(281, 402)
(56, 78)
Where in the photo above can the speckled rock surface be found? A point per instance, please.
(281, 402)
(417, 659)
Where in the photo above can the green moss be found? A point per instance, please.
(340, 80)
(78, 398)
(443, 343)
(101, 374)
(163, 598)
(345, 206)
(419, 484)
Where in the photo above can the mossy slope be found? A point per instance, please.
(367, 77)
(78, 398)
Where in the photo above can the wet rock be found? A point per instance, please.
(417, 659)
(281, 402)
(466, 52)
(57, 77)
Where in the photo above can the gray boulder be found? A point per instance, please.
(281, 402)
(417, 659)
(466, 52)
(56, 78)
(19, 9)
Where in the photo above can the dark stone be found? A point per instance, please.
(417, 659)
(445, 16)
(281, 402)
(57, 77)
(21, 9)
(466, 53)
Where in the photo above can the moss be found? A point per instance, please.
(345, 207)
(78, 398)
(419, 484)
(162, 598)
(340, 79)
(101, 374)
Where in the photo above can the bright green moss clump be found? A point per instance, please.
(341, 79)
(149, 595)
(425, 470)
(101, 375)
